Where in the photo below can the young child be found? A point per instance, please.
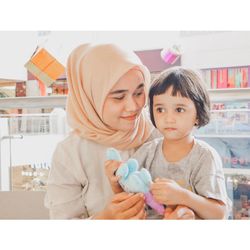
(186, 171)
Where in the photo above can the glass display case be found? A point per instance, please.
(27, 142)
(229, 133)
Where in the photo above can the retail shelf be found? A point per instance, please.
(222, 95)
(236, 171)
(33, 102)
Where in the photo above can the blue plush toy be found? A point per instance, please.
(134, 181)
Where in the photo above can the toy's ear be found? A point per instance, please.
(145, 176)
(123, 171)
(132, 165)
(113, 154)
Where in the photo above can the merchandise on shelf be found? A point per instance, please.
(227, 122)
(232, 77)
(45, 67)
(30, 177)
(238, 187)
(234, 152)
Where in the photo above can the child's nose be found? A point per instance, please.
(169, 117)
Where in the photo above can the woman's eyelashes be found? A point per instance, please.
(138, 93)
(121, 97)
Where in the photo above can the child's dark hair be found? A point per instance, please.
(187, 83)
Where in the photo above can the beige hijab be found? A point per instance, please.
(92, 71)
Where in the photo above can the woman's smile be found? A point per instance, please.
(130, 117)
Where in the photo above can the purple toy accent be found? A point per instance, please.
(159, 208)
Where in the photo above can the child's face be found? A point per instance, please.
(125, 101)
(175, 116)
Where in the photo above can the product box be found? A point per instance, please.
(29, 177)
(45, 67)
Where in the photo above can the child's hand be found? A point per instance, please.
(110, 169)
(179, 213)
(168, 192)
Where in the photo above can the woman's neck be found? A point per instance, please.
(176, 150)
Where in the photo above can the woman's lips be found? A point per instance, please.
(129, 118)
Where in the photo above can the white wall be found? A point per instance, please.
(200, 49)
(17, 47)
(216, 49)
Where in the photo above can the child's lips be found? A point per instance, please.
(170, 129)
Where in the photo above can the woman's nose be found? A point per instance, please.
(131, 104)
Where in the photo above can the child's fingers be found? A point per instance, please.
(185, 213)
(188, 216)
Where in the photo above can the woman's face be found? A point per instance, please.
(124, 103)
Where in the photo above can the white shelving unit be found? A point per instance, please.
(29, 139)
(226, 95)
(231, 139)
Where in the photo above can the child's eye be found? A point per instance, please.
(180, 110)
(160, 110)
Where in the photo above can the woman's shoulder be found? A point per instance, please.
(69, 141)
(73, 143)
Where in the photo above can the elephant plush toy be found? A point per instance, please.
(134, 181)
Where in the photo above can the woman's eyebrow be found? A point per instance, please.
(140, 86)
(125, 90)
(118, 91)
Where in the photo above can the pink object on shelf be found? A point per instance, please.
(171, 55)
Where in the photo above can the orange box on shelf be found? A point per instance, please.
(45, 67)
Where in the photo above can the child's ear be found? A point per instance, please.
(196, 123)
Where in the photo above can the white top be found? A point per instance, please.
(77, 184)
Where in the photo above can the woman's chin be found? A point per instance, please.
(128, 127)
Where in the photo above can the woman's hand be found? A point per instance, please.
(179, 213)
(110, 169)
(168, 192)
(124, 206)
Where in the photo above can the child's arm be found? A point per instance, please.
(110, 169)
(168, 192)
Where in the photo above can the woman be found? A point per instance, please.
(107, 93)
